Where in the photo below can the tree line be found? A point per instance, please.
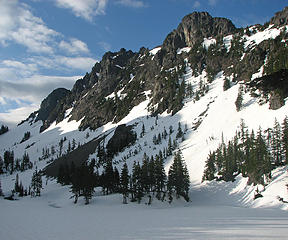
(147, 179)
(252, 155)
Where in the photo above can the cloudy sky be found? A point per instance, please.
(45, 44)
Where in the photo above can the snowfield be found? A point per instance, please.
(54, 216)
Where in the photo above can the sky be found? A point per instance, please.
(46, 44)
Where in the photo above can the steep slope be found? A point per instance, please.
(178, 83)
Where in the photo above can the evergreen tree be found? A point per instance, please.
(73, 144)
(142, 131)
(165, 133)
(284, 140)
(116, 180)
(178, 178)
(36, 183)
(83, 182)
(88, 183)
(1, 165)
(210, 169)
(151, 174)
(276, 144)
(226, 84)
(145, 181)
(124, 182)
(160, 176)
(136, 182)
(17, 186)
(26, 164)
(239, 100)
(69, 147)
(108, 178)
(169, 149)
(179, 132)
(3, 129)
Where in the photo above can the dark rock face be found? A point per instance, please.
(50, 102)
(275, 85)
(276, 100)
(196, 26)
(123, 136)
(280, 18)
(50, 106)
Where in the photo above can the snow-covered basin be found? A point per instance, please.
(54, 216)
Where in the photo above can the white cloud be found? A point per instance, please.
(35, 88)
(28, 94)
(196, 4)
(24, 69)
(81, 63)
(132, 3)
(15, 116)
(86, 9)
(75, 46)
(18, 24)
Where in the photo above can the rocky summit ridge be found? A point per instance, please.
(123, 79)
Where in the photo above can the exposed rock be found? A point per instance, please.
(195, 27)
(123, 136)
(280, 18)
(276, 100)
(49, 108)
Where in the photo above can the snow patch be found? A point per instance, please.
(154, 51)
(208, 42)
(257, 38)
(227, 42)
(185, 49)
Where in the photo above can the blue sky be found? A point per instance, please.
(45, 44)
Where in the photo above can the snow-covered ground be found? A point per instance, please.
(54, 216)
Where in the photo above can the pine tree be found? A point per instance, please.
(210, 169)
(116, 180)
(73, 144)
(160, 176)
(36, 183)
(145, 181)
(142, 131)
(276, 143)
(16, 187)
(108, 183)
(178, 178)
(179, 132)
(284, 140)
(1, 165)
(226, 84)
(151, 174)
(83, 182)
(136, 182)
(88, 183)
(239, 100)
(169, 149)
(124, 182)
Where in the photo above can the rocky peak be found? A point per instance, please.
(196, 26)
(280, 18)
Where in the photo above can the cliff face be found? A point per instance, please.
(195, 27)
(123, 79)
